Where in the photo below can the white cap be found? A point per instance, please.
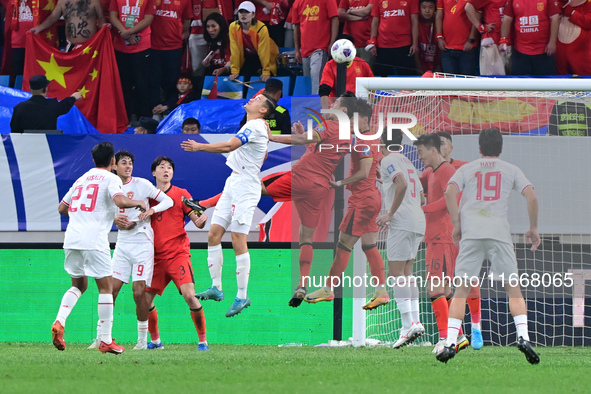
(248, 6)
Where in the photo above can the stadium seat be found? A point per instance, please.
(260, 85)
(5, 80)
(303, 86)
(18, 82)
(226, 88)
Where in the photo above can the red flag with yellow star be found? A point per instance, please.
(89, 69)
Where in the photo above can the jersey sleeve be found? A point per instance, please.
(520, 182)
(188, 10)
(115, 186)
(185, 208)
(245, 134)
(375, 11)
(68, 197)
(344, 4)
(508, 10)
(331, 9)
(414, 7)
(457, 179)
(439, 4)
(478, 4)
(392, 171)
(554, 8)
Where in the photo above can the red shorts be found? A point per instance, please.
(362, 214)
(278, 186)
(441, 259)
(178, 269)
(308, 198)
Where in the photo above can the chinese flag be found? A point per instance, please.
(89, 69)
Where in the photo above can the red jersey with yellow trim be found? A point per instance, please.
(439, 225)
(357, 68)
(456, 25)
(394, 30)
(364, 150)
(170, 236)
(322, 158)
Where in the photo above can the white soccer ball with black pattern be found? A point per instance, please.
(343, 51)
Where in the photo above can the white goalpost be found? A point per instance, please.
(555, 279)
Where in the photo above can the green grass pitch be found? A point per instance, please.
(29, 368)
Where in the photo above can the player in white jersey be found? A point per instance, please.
(403, 197)
(239, 199)
(91, 204)
(134, 252)
(482, 230)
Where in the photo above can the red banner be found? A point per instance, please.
(90, 69)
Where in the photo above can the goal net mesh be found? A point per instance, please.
(553, 278)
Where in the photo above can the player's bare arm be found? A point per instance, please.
(532, 210)
(123, 202)
(452, 207)
(51, 19)
(298, 138)
(198, 221)
(122, 222)
(361, 174)
(401, 186)
(217, 147)
(63, 209)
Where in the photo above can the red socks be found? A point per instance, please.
(153, 324)
(199, 320)
(441, 311)
(339, 265)
(376, 263)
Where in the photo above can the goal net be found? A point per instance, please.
(556, 278)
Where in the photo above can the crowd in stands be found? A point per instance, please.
(242, 38)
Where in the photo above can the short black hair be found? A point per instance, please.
(159, 161)
(349, 101)
(344, 36)
(428, 1)
(445, 135)
(270, 104)
(490, 142)
(395, 139)
(364, 108)
(102, 153)
(430, 140)
(124, 153)
(191, 121)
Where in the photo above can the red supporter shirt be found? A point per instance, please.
(395, 28)
(25, 23)
(220, 59)
(318, 163)
(492, 12)
(314, 16)
(364, 150)
(168, 24)
(429, 54)
(531, 22)
(359, 30)
(170, 237)
(136, 11)
(225, 7)
(357, 68)
(259, 14)
(456, 25)
(439, 225)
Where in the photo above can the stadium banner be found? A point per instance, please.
(37, 170)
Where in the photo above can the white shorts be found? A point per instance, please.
(402, 245)
(93, 263)
(135, 259)
(237, 204)
(473, 252)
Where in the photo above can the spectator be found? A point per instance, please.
(356, 16)
(191, 126)
(133, 46)
(252, 51)
(486, 16)
(314, 35)
(279, 121)
(273, 13)
(171, 28)
(534, 35)
(429, 57)
(183, 95)
(328, 84)
(573, 49)
(395, 36)
(456, 38)
(145, 126)
(217, 62)
(39, 112)
(83, 19)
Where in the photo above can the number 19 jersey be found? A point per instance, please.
(486, 185)
(91, 210)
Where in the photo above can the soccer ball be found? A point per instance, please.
(343, 51)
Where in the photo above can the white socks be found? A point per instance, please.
(476, 326)
(402, 295)
(453, 329)
(242, 272)
(521, 325)
(69, 301)
(414, 299)
(215, 261)
(142, 331)
(105, 313)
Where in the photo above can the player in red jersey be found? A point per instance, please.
(172, 257)
(360, 221)
(310, 179)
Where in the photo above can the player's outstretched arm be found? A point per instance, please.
(217, 147)
(198, 221)
(452, 206)
(123, 202)
(532, 211)
(164, 202)
(401, 186)
(361, 174)
(299, 136)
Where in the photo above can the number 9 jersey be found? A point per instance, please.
(91, 210)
